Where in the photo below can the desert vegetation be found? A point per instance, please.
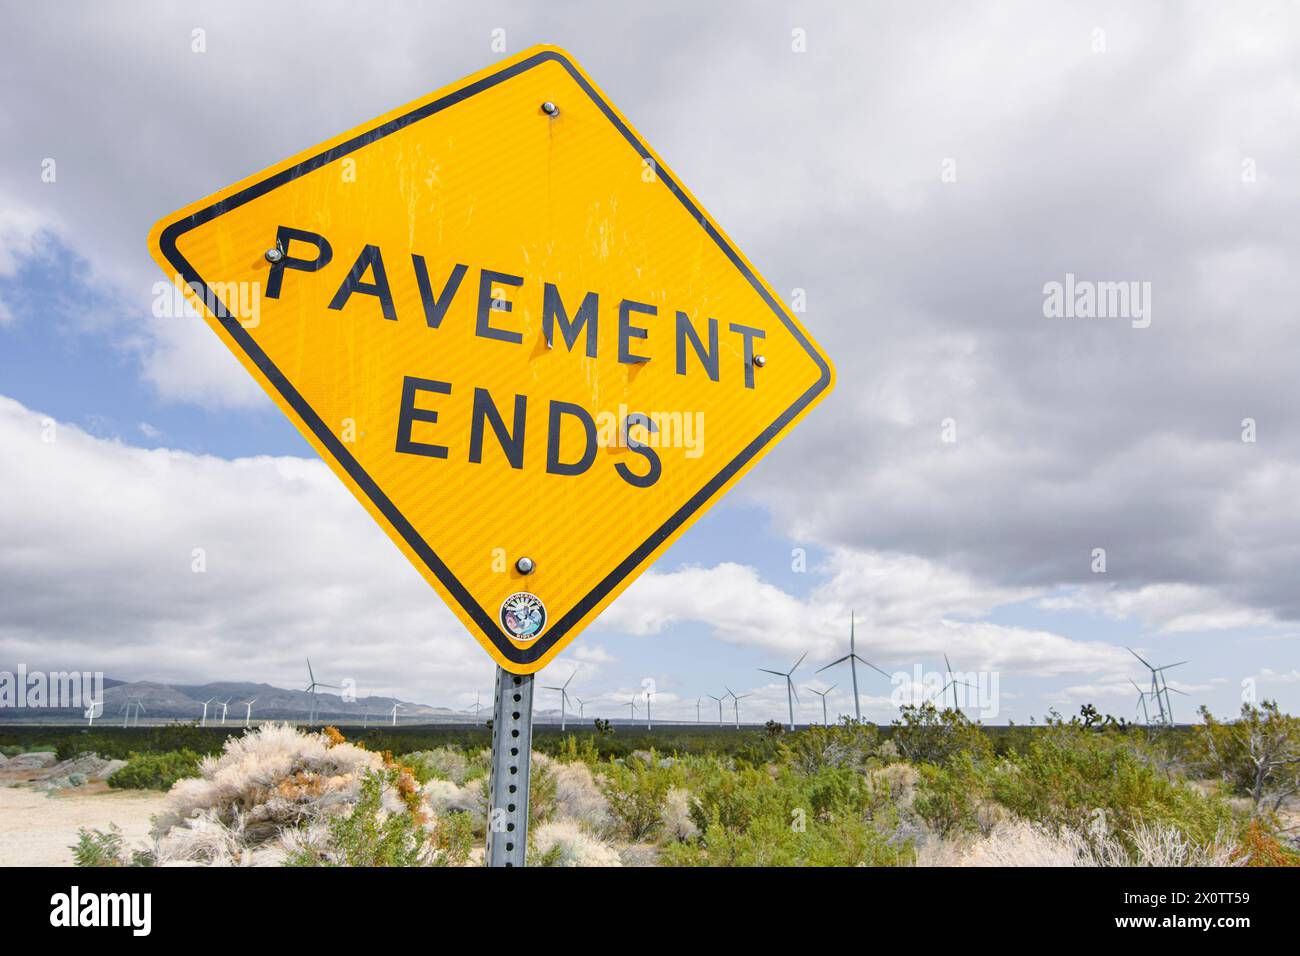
(933, 789)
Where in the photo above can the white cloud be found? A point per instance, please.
(98, 544)
(1170, 608)
(908, 609)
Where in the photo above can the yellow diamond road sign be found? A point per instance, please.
(513, 334)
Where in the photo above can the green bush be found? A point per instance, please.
(105, 848)
(636, 791)
(156, 771)
(947, 798)
(926, 734)
(1072, 776)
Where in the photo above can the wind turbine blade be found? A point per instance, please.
(1177, 691)
(873, 666)
(833, 663)
(798, 662)
(777, 673)
(947, 664)
(1167, 666)
(1139, 657)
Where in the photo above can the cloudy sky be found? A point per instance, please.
(921, 171)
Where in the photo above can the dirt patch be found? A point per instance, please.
(37, 830)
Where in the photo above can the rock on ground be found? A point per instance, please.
(36, 760)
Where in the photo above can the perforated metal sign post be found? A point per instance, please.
(397, 290)
(512, 745)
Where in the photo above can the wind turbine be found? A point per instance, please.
(1160, 687)
(94, 709)
(126, 710)
(139, 709)
(365, 713)
(203, 721)
(248, 714)
(225, 705)
(311, 689)
(564, 697)
(582, 706)
(735, 702)
(854, 660)
(1142, 702)
(822, 694)
(719, 700)
(698, 701)
(954, 683)
(477, 705)
(632, 704)
(791, 695)
(395, 706)
(648, 696)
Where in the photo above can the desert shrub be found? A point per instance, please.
(636, 792)
(1068, 776)
(382, 831)
(564, 843)
(1258, 847)
(272, 778)
(676, 819)
(769, 840)
(541, 790)
(925, 734)
(442, 763)
(1257, 755)
(1019, 842)
(468, 802)
(579, 798)
(105, 848)
(948, 798)
(156, 771)
(847, 744)
(777, 816)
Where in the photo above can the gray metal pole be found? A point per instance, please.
(512, 747)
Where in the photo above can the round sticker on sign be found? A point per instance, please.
(523, 616)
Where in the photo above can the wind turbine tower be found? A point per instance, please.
(564, 698)
(791, 695)
(822, 694)
(735, 703)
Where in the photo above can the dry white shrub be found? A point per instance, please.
(900, 779)
(443, 797)
(677, 822)
(1022, 843)
(571, 846)
(262, 783)
(578, 798)
(1167, 846)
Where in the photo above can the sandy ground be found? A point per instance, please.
(37, 830)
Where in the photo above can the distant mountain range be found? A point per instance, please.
(185, 702)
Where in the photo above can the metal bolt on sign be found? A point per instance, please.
(512, 745)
